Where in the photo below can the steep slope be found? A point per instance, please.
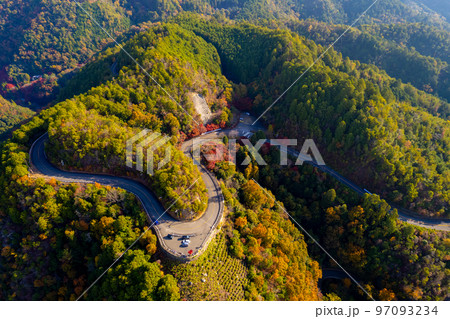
(43, 40)
(358, 115)
(53, 36)
(91, 129)
(344, 11)
(332, 11)
(49, 36)
(11, 114)
(392, 259)
(414, 53)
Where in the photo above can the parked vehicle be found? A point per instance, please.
(185, 243)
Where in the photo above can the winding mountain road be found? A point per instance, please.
(332, 273)
(404, 215)
(200, 230)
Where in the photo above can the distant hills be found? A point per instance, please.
(412, 52)
(43, 40)
(432, 12)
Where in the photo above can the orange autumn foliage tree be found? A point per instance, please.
(280, 268)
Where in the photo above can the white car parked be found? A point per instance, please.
(185, 243)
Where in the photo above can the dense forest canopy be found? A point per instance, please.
(442, 7)
(360, 116)
(44, 41)
(414, 53)
(89, 132)
(394, 260)
(331, 11)
(373, 118)
(86, 133)
(11, 114)
(49, 36)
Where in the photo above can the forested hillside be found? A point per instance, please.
(48, 36)
(386, 135)
(390, 11)
(88, 132)
(81, 230)
(331, 11)
(427, 40)
(11, 114)
(259, 235)
(65, 236)
(273, 248)
(44, 39)
(48, 257)
(358, 115)
(393, 260)
(414, 53)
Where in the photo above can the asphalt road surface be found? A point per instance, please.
(333, 273)
(202, 229)
(405, 215)
(199, 230)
